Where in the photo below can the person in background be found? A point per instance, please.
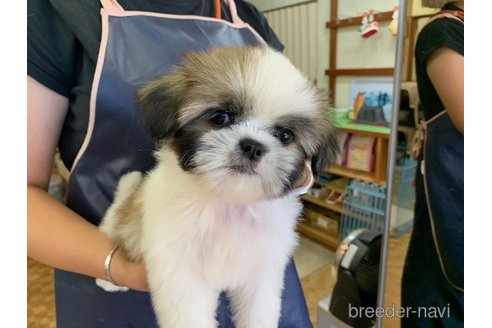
(433, 276)
(69, 54)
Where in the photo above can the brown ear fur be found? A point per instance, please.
(327, 152)
(328, 148)
(160, 101)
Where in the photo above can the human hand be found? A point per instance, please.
(127, 273)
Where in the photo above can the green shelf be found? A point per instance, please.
(363, 127)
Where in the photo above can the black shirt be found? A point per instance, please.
(63, 40)
(441, 33)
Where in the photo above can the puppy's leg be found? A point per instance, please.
(126, 186)
(257, 303)
(183, 301)
(109, 287)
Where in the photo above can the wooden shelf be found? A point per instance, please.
(350, 173)
(360, 71)
(366, 129)
(321, 203)
(378, 176)
(323, 237)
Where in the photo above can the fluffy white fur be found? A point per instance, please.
(196, 246)
(211, 228)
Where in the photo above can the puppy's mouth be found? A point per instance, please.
(246, 167)
(241, 169)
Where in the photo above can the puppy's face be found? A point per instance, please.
(243, 120)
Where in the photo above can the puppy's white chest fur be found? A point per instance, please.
(225, 243)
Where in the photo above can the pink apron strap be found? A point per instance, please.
(236, 20)
(442, 15)
(113, 5)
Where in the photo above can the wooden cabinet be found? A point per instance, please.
(334, 209)
(314, 231)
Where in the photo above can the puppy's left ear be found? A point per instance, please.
(160, 101)
(327, 151)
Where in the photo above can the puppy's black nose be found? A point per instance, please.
(252, 149)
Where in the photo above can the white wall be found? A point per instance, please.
(298, 31)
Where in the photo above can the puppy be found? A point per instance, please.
(239, 133)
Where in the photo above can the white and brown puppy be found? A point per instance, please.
(235, 128)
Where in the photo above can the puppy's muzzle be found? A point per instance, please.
(252, 149)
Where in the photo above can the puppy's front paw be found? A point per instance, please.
(109, 287)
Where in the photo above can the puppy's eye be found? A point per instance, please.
(221, 118)
(286, 136)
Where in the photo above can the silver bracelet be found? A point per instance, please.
(107, 265)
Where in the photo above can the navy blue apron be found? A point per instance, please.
(135, 48)
(442, 169)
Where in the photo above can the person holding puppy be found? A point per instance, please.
(84, 62)
(433, 276)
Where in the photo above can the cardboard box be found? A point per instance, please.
(321, 220)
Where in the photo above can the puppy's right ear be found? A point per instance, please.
(159, 101)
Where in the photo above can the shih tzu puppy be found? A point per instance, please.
(240, 132)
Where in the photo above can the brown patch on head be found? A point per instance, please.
(216, 79)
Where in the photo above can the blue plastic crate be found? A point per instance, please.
(364, 207)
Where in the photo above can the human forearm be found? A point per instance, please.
(62, 239)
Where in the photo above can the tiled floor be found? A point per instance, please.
(310, 256)
(314, 263)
